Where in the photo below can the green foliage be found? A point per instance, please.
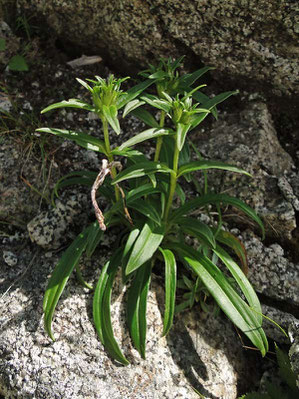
(288, 389)
(17, 62)
(141, 198)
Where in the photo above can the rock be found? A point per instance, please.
(18, 203)
(200, 351)
(49, 229)
(294, 350)
(10, 258)
(12, 44)
(248, 140)
(283, 319)
(270, 272)
(254, 42)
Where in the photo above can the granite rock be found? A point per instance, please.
(200, 351)
(249, 141)
(270, 271)
(49, 229)
(253, 41)
(294, 350)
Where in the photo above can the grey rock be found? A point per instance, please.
(10, 258)
(249, 141)
(49, 229)
(270, 272)
(254, 41)
(283, 319)
(294, 350)
(200, 350)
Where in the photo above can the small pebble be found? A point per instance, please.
(10, 258)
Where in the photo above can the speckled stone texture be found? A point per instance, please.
(256, 40)
(249, 140)
(201, 351)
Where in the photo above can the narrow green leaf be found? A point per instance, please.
(182, 131)
(214, 199)
(84, 84)
(230, 240)
(145, 246)
(95, 235)
(158, 75)
(134, 92)
(110, 114)
(285, 368)
(134, 104)
(140, 170)
(141, 191)
(189, 79)
(198, 229)
(219, 99)
(145, 208)
(242, 281)
(2, 44)
(197, 119)
(224, 294)
(204, 165)
(170, 288)
(18, 63)
(82, 139)
(145, 135)
(145, 117)
(81, 279)
(72, 103)
(156, 102)
(136, 307)
(60, 276)
(101, 307)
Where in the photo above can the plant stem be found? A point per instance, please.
(173, 180)
(109, 155)
(159, 139)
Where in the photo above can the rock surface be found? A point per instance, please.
(77, 367)
(249, 140)
(256, 40)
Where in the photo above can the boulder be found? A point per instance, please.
(254, 42)
(201, 351)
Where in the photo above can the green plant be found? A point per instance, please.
(143, 200)
(288, 390)
(17, 62)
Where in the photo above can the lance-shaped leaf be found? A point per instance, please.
(140, 170)
(84, 84)
(170, 288)
(219, 99)
(145, 246)
(60, 276)
(145, 135)
(82, 139)
(226, 297)
(110, 114)
(156, 102)
(182, 131)
(147, 209)
(101, 307)
(242, 281)
(198, 229)
(189, 79)
(72, 103)
(229, 239)
(216, 199)
(134, 92)
(134, 104)
(204, 165)
(136, 307)
(145, 117)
